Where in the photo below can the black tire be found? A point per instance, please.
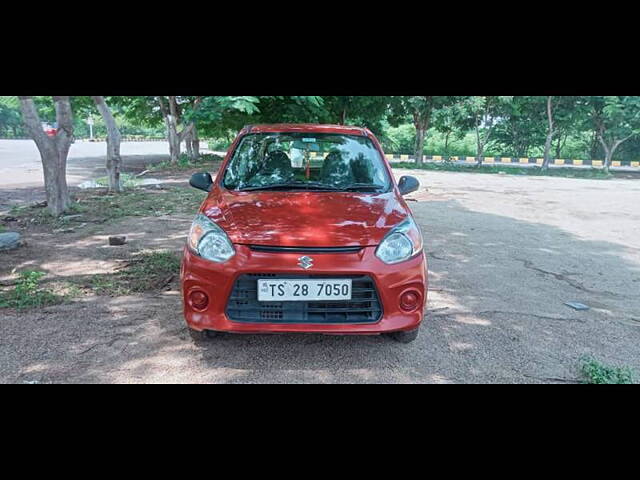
(200, 337)
(405, 337)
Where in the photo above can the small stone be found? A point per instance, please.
(10, 241)
(117, 241)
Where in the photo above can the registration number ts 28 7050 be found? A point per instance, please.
(304, 290)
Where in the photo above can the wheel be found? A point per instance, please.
(203, 336)
(405, 337)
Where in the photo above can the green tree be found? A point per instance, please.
(521, 126)
(563, 117)
(10, 121)
(449, 121)
(358, 110)
(420, 110)
(481, 114)
(615, 119)
(53, 150)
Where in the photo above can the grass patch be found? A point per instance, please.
(126, 180)
(142, 203)
(146, 272)
(92, 207)
(28, 293)
(597, 373)
(594, 173)
(185, 163)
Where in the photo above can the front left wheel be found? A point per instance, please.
(405, 337)
(202, 336)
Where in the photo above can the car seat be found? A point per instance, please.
(335, 171)
(277, 165)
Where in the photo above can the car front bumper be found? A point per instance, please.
(217, 282)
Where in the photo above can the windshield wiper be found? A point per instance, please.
(362, 187)
(354, 187)
(290, 186)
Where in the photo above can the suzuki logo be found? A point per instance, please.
(305, 262)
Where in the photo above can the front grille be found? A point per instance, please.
(308, 250)
(364, 306)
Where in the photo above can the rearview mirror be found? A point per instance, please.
(201, 181)
(408, 185)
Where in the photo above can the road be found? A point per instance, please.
(505, 254)
(20, 164)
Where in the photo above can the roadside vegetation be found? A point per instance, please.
(204, 161)
(29, 293)
(101, 206)
(596, 373)
(146, 271)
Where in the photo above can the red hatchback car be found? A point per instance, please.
(304, 230)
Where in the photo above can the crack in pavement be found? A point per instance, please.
(563, 278)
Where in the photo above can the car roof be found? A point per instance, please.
(306, 128)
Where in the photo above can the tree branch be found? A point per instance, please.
(31, 120)
(64, 115)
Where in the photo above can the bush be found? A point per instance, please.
(28, 293)
(219, 145)
(597, 373)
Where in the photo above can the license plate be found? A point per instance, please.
(303, 290)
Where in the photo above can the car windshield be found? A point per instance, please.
(306, 161)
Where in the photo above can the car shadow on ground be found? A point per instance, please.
(496, 315)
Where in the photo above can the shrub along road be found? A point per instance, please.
(505, 254)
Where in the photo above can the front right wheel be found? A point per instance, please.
(404, 337)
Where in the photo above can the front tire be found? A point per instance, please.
(405, 337)
(201, 337)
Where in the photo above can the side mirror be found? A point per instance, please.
(201, 181)
(408, 185)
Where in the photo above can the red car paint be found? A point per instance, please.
(303, 220)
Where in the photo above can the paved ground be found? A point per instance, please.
(20, 164)
(505, 253)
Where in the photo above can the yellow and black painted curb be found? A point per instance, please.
(516, 161)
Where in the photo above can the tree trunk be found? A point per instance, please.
(446, 146)
(562, 141)
(114, 160)
(343, 116)
(422, 126)
(421, 134)
(479, 146)
(550, 134)
(192, 142)
(53, 151)
(171, 122)
(610, 150)
(189, 144)
(195, 140)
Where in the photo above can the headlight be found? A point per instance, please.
(402, 243)
(209, 241)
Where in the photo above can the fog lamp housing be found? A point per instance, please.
(199, 300)
(410, 300)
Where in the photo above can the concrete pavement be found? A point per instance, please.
(20, 164)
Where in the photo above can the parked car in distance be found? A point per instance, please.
(50, 129)
(304, 230)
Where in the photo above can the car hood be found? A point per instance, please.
(305, 219)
